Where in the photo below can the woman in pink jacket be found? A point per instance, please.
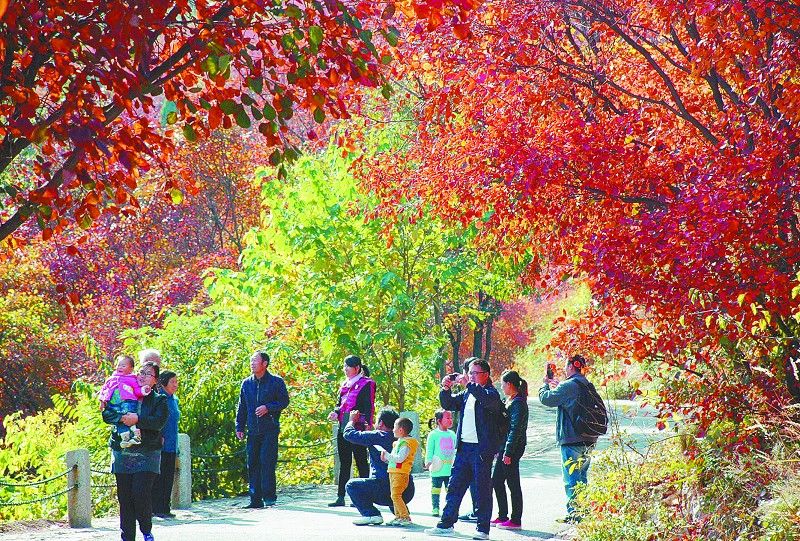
(357, 393)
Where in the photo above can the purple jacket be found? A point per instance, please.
(359, 396)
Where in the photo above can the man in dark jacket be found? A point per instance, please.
(477, 442)
(574, 447)
(261, 400)
(374, 490)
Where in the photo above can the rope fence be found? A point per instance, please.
(36, 483)
(39, 500)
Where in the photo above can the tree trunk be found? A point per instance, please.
(487, 348)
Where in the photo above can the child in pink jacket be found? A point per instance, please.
(121, 393)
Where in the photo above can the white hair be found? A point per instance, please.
(150, 355)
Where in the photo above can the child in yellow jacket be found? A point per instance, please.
(400, 460)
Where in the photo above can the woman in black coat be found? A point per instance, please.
(506, 468)
(136, 467)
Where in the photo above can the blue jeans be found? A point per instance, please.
(575, 467)
(120, 409)
(262, 458)
(366, 493)
(469, 465)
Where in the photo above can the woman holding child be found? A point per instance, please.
(136, 466)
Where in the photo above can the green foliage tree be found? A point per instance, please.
(346, 283)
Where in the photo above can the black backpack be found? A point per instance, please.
(503, 424)
(591, 417)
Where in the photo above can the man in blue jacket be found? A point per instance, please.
(366, 493)
(262, 398)
(477, 442)
(574, 447)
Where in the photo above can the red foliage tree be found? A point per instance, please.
(648, 146)
(80, 81)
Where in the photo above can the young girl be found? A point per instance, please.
(506, 469)
(439, 454)
(120, 394)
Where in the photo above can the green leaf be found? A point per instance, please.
(172, 118)
(224, 62)
(176, 195)
(189, 133)
(269, 112)
(319, 115)
(242, 119)
(293, 12)
(315, 35)
(276, 157)
(228, 106)
(256, 84)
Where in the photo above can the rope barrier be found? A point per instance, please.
(217, 470)
(309, 459)
(36, 483)
(318, 443)
(102, 472)
(39, 500)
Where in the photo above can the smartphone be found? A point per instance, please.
(551, 370)
(452, 377)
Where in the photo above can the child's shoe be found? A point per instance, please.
(403, 522)
(435, 512)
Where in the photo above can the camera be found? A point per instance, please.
(452, 377)
(550, 371)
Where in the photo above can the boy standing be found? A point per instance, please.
(400, 461)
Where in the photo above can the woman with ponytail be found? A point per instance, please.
(356, 394)
(506, 468)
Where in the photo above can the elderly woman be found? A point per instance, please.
(136, 467)
(356, 394)
(162, 486)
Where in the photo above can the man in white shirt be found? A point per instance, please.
(477, 442)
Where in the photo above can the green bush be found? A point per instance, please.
(34, 448)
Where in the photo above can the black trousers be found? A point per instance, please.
(507, 474)
(346, 453)
(162, 486)
(134, 492)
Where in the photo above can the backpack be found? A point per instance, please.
(591, 417)
(503, 424)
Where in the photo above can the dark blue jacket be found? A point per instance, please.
(487, 412)
(368, 438)
(268, 391)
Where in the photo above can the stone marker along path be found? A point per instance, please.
(302, 513)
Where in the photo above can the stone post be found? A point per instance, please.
(336, 464)
(418, 461)
(182, 486)
(79, 499)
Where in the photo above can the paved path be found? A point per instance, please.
(302, 513)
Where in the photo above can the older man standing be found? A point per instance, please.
(478, 440)
(262, 398)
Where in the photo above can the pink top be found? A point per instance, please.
(127, 384)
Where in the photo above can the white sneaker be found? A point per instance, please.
(441, 532)
(480, 535)
(368, 521)
(403, 522)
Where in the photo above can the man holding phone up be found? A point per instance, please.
(477, 441)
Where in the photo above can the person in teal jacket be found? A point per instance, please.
(440, 452)
(574, 447)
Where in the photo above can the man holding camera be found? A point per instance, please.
(575, 446)
(477, 443)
